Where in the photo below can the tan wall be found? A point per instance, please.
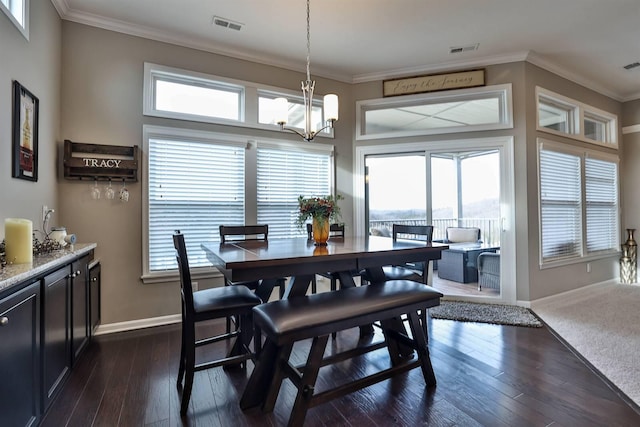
(102, 89)
(36, 65)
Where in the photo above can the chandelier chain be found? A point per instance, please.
(308, 42)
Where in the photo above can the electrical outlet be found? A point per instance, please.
(588, 267)
(194, 285)
(45, 209)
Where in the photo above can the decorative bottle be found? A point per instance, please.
(633, 254)
(625, 265)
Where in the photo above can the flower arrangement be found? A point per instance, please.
(319, 208)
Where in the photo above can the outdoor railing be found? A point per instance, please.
(489, 227)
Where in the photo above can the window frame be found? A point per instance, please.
(7, 9)
(250, 93)
(578, 112)
(502, 92)
(582, 154)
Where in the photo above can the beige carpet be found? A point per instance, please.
(602, 323)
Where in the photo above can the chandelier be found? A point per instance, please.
(330, 102)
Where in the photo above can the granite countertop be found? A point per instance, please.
(16, 273)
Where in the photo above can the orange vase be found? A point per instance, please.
(320, 231)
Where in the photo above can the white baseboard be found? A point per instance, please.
(569, 294)
(111, 328)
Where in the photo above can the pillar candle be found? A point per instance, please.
(18, 239)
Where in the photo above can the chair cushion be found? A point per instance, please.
(459, 235)
(224, 298)
(395, 272)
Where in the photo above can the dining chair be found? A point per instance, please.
(244, 233)
(208, 304)
(335, 231)
(416, 271)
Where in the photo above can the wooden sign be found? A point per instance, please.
(102, 162)
(432, 83)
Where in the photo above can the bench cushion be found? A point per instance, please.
(314, 315)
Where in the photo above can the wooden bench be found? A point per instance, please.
(317, 316)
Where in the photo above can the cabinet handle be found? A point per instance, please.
(78, 272)
(94, 279)
(4, 321)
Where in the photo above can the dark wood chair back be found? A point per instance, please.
(413, 232)
(186, 287)
(243, 232)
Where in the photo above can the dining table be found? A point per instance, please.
(300, 259)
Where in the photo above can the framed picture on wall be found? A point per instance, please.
(25, 133)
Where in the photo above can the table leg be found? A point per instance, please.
(256, 390)
(298, 286)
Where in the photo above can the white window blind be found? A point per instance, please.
(193, 186)
(560, 205)
(283, 175)
(601, 195)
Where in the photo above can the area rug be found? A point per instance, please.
(602, 324)
(485, 313)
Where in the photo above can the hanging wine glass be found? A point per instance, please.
(95, 190)
(124, 192)
(110, 193)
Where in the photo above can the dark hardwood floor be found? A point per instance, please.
(488, 375)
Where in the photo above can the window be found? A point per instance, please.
(194, 181)
(187, 95)
(578, 192)
(561, 115)
(463, 110)
(18, 13)
(283, 175)
(555, 115)
(191, 96)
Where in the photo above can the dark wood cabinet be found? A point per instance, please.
(79, 306)
(94, 296)
(56, 359)
(46, 321)
(20, 357)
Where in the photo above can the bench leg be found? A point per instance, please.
(308, 381)
(282, 358)
(420, 338)
(397, 351)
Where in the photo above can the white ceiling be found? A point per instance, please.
(587, 41)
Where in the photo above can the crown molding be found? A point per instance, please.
(152, 34)
(61, 7)
(537, 60)
(124, 27)
(443, 66)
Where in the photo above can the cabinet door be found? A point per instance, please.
(56, 332)
(20, 357)
(94, 297)
(80, 312)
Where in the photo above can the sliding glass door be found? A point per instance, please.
(457, 187)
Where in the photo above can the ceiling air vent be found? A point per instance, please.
(226, 23)
(632, 66)
(460, 49)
